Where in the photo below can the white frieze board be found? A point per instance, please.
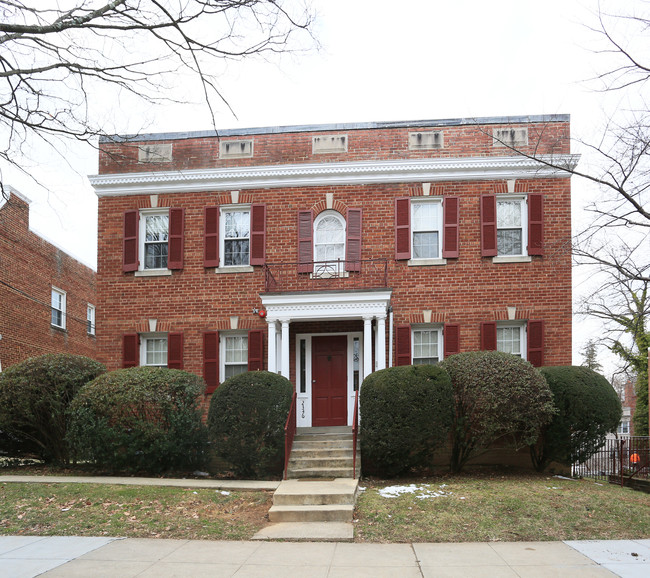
(322, 174)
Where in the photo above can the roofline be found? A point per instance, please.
(543, 118)
(13, 191)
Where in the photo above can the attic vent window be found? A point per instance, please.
(235, 149)
(155, 153)
(335, 143)
(420, 141)
(510, 137)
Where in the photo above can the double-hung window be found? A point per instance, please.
(427, 345)
(155, 238)
(234, 354)
(235, 234)
(511, 227)
(153, 350)
(90, 319)
(58, 308)
(511, 338)
(426, 227)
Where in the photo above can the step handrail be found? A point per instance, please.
(355, 420)
(289, 433)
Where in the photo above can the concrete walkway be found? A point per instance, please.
(26, 557)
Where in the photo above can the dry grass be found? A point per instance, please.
(503, 508)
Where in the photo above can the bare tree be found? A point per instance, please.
(56, 55)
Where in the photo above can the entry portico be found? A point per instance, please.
(329, 365)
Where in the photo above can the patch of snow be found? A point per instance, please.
(565, 478)
(421, 492)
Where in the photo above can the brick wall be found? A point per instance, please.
(467, 290)
(29, 267)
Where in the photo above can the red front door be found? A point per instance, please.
(329, 380)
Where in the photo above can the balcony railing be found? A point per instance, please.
(326, 275)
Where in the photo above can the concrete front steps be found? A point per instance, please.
(322, 452)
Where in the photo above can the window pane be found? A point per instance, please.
(155, 256)
(156, 228)
(231, 370)
(425, 216)
(425, 347)
(508, 214)
(156, 351)
(509, 340)
(237, 225)
(425, 245)
(237, 349)
(509, 242)
(57, 317)
(236, 252)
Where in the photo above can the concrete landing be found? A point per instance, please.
(308, 532)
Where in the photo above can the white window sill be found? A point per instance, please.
(57, 327)
(512, 259)
(153, 273)
(244, 269)
(423, 262)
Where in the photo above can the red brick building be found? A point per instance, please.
(327, 252)
(47, 298)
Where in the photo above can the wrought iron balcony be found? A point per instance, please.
(326, 275)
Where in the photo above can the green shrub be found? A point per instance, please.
(587, 410)
(498, 397)
(34, 397)
(246, 422)
(140, 419)
(406, 413)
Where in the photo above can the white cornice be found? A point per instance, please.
(323, 174)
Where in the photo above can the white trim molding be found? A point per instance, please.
(323, 174)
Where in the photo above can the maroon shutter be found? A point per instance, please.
(305, 245)
(130, 350)
(489, 336)
(451, 212)
(403, 228)
(535, 224)
(255, 350)
(536, 343)
(211, 237)
(130, 241)
(258, 235)
(488, 226)
(451, 339)
(211, 360)
(176, 238)
(175, 350)
(403, 345)
(353, 242)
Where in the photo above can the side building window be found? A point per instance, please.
(426, 344)
(520, 338)
(153, 240)
(90, 319)
(58, 318)
(153, 350)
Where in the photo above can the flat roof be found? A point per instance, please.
(337, 127)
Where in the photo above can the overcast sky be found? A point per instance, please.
(378, 61)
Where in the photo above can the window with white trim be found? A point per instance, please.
(234, 354)
(329, 243)
(511, 338)
(426, 229)
(235, 236)
(90, 319)
(624, 428)
(153, 349)
(427, 345)
(512, 229)
(58, 308)
(154, 239)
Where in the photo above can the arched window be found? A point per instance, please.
(329, 240)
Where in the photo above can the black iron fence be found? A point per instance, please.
(619, 460)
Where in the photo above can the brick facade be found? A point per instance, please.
(461, 295)
(30, 267)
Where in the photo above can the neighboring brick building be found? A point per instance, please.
(327, 252)
(47, 298)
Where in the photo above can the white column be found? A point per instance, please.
(380, 348)
(272, 356)
(367, 346)
(284, 355)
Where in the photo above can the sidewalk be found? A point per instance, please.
(29, 556)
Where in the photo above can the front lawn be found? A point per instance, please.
(483, 508)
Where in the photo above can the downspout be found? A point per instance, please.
(390, 336)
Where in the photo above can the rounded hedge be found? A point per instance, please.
(587, 409)
(498, 396)
(406, 413)
(34, 398)
(140, 419)
(246, 422)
